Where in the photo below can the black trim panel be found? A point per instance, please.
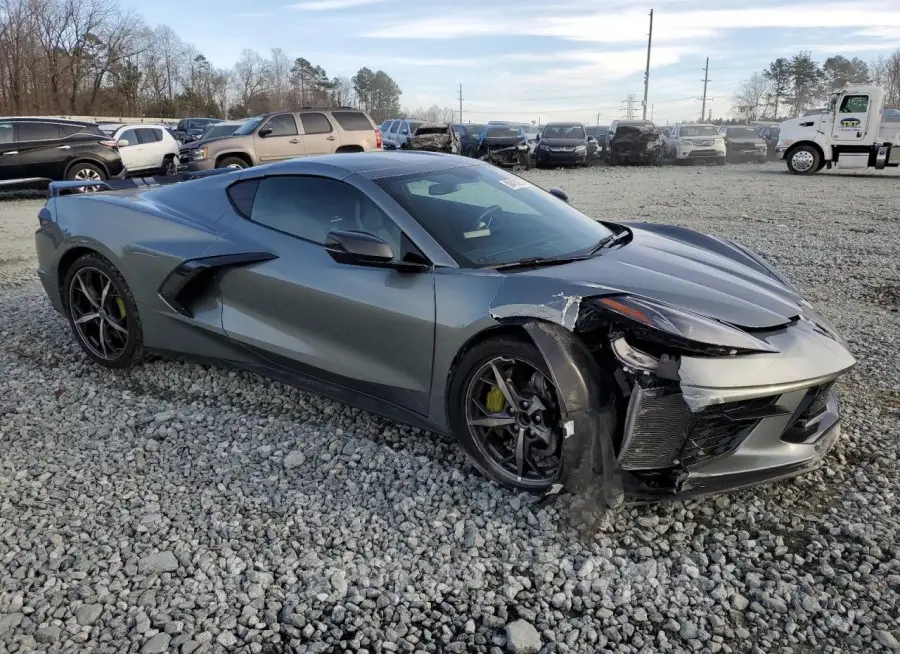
(184, 284)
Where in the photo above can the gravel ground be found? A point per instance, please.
(188, 509)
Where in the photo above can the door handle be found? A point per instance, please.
(330, 138)
(64, 147)
(6, 154)
(294, 141)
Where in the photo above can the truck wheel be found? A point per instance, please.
(804, 160)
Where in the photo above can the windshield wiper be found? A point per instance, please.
(529, 262)
(609, 241)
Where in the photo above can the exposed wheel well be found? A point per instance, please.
(87, 161)
(65, 262)
(234, 155)
(350, 148)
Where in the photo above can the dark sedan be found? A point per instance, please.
(469, 134)
(562, 144)
(744, 144)
(440, 291)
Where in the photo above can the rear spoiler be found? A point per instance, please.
(55, 189)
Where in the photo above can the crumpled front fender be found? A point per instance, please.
(589, 417)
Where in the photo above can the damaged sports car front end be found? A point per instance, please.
(718, 378)
(505, 146)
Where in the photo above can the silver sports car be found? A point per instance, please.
(649, 360)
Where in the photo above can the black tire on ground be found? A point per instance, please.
(720, 161)
(804, 160)
(469, 364)
(169, 166)
(232, 162)
(612, 159)
(132, 351)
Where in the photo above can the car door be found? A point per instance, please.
(132, 153)
(154, 147)
(278, 138)
(370, 329)
(42, 151)
(851, 121)
(319, 135)
(9, 152)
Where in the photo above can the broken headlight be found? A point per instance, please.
(678, 328)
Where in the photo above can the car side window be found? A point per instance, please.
(395, 126)
(6, 132)
(282, 125)
(855, 104)
(315, 124)
(310, 207)
(129, 135)
(38, 131)
(404, 127)
(147, 135)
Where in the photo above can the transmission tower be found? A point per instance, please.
(630, 105)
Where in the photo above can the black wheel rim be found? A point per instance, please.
(513, 415)
(170, 167)
(99, 313)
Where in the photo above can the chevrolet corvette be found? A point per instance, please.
(560, 351)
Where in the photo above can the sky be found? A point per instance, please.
(540, 60)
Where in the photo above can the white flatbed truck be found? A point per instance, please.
(850, 134)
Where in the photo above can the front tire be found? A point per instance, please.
(232, 162)
(102, 313)
(504, 409)
(169, 166)
(804, 160)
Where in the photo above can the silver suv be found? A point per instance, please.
(285, 135)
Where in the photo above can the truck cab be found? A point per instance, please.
(850, 133)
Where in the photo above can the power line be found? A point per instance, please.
(647, 71)
(629, 102)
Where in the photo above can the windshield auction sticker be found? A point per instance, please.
(515, 183)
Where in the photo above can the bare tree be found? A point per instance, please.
(885, 71)
(756, 94)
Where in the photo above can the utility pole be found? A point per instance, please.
(598, 119)
(647, 71)
(705, 81)
(460, 103)
(652, 106)
(630, 102)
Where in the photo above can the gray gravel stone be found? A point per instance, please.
(47, 635)
(158, 562)
(522, 638)
(88, 614)
(887, 639)
(158, 644)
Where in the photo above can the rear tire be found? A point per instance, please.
(483, 453)
(83, 171)
(113, 337)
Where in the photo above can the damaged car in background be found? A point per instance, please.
(645, 361)
(432, 137)
(504, 145)
(744, 144)
(633, 141)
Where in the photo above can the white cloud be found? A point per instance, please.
(329, 5)
(631, 25)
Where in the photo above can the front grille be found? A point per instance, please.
(703, 143)
(562, 149)
(655, 429)
(811, 413)
(703, 153)
(661, 431)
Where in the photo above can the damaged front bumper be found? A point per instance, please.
(508, 156)
(647, 428)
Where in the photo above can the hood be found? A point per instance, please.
(633, 133)
(193, 145)
(746, 140)
(709, 276)
(503, 140)
(556, 142)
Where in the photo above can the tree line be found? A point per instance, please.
(93, 58)
(790, 86)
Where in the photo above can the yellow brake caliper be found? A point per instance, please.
(495, 402)
(121, 304)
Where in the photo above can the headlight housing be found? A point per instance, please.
(679, 329)
(580, 148)
(687, 143)
(199, 154)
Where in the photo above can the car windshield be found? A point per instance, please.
(595, 131)
(249, 126)
(742, 133)
(698, 130)
(504, 131)
(215, 131)
(484, 216)
(563, 132)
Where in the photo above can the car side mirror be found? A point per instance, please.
(265, 131)
(358, 248)
(537, 138)
(122, 143)
(558, 192)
